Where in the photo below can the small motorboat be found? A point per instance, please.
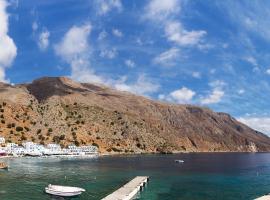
(179, 161)
(63, 191)
(33, 153)
(3, 165)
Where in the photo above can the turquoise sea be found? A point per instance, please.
(203, 176)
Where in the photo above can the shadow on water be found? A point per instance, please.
(62, 198)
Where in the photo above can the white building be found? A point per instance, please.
(53, 149)
(2, 140)
(72, 149)
(33, 149)
(89, 149)
(14, 149)
(12, 145)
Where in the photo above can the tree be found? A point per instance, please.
(56, 139)
(62, 137)
(19, 128)
(77, 143)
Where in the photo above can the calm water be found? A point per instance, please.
(202, 176)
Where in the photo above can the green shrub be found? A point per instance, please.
(56, 139)
(23, 137)
(95, 144)
(62, 137)
(77, 143)
(19, 128)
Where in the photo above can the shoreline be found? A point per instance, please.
(53, 156)
(127, 154)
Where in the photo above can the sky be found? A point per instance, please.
(202, 52)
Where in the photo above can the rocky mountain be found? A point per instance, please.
(57, 109)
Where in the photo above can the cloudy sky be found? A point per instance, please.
(208, 53)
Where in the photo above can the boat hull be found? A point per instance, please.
(3, 166)
(62, 194)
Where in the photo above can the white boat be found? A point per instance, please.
(63, 191)
(179, 161)
(33, 153)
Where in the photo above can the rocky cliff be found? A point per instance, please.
(57, 109)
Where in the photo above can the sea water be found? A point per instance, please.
(202, 176)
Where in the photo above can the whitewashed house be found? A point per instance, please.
(83, 150)
(53, 149)
(89, 149)
(33, 149)
(2, 140)
(14, 149)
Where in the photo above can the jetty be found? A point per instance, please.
(265, 197)
(129, 190)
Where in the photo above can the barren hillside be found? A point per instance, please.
(62, 111)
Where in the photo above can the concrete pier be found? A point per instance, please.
(265, 197)
(129, 190)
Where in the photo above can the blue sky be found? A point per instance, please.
(208, 53)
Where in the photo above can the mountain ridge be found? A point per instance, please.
(60, 110)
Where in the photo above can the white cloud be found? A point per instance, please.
(142, 86)
(74, 49)
(105, 6)
(161, 96)
(183, 95)
(34, 26)
(212, 71)
(74, 44)
(82, 72)
(205, 47)
(251, 60)
(241, 91)
(214, 97)
(261, 124)
(129, 63)
(217, 84)
(250, 23)
(165, 14)
(176, 33)
(117, 33)
(160, 10)
(108, 53)
(43, 41)
(168, 57)
(268, 71)
(196, 74)
(102, 35)
(216, 94)
(8, 49)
